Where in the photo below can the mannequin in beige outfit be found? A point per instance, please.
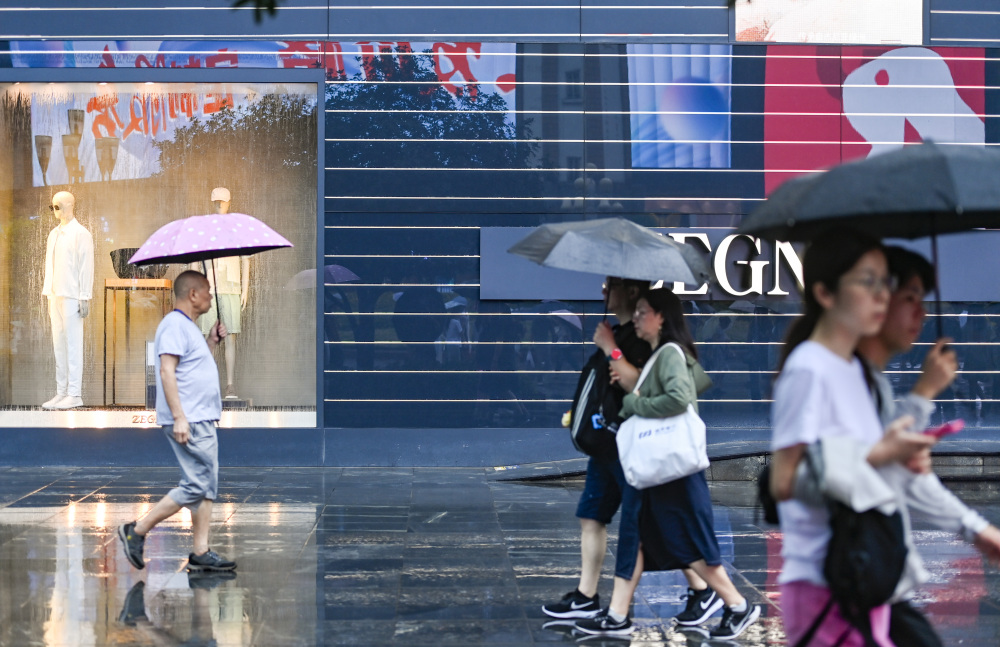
(233, 277)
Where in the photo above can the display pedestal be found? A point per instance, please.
(139, 417)
(113, 286)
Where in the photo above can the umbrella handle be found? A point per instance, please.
(937, 280)
(218, 310)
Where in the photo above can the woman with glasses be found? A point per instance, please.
(822, 394)
(676, 526)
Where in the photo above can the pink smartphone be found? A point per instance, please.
(951, 427)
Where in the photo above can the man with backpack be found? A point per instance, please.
(595, 408)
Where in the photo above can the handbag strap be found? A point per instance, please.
(814, 627)
(652, 360)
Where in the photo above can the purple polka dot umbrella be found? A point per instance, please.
(202, 238)
(205, 238)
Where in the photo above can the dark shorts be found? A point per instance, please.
(604, 492)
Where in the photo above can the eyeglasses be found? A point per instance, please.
(641, 312)
(54, 207)
(875, 284)
(612, 283)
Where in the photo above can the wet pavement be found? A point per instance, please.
(369, 556)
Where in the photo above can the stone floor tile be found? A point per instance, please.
(373, 556)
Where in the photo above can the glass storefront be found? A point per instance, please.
(428, 145)
(120, 160)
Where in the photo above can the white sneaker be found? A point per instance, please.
(69, 402)
(51, 404)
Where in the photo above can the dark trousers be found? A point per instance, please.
(909, 628)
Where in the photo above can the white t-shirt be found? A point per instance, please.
(817, 395)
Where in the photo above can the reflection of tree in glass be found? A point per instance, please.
(278, 131)
(260, 7)
(421, 109)
(265, 153)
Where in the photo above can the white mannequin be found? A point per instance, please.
(225, 268)
(69, 285)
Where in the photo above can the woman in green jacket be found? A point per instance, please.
(676, 525)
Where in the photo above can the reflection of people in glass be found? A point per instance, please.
(420, 318)
(231, 280)
(187, 406)
(133, 612)
(69, 285)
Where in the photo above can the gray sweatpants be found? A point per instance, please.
(199, 462)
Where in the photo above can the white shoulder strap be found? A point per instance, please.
(652, 360)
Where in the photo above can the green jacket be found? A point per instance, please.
(669, 387)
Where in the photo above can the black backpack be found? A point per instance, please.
(594, 416)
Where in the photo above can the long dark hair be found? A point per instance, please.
(827, 259)
(675, 329)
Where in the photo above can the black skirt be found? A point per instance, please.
(676, 526)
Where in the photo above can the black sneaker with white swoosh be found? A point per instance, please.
(734, 622)
(574, 605)
(604, 625)
(701, 605)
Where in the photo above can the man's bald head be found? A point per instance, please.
(187, 281)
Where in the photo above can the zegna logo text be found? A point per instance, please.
(783, 255)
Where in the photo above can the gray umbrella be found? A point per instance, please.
(613, 247)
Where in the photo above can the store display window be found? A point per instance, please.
(88, 172)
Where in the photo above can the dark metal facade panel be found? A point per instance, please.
(964, 22)
(462, 20)
(959, 22)
(183, 19)
(691, 21)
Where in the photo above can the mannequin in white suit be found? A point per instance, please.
(68, 285)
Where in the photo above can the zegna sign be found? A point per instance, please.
(743, 267)
(751, 262)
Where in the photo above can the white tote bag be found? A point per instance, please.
(654, 451)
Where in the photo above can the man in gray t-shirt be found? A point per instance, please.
(197, 375)
(188, 404)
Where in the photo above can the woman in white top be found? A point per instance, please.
(822, 392)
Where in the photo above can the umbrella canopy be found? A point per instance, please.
(331, 274)
(202, 238)
(912, 192)
(613, 247)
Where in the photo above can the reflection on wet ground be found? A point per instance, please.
(372, 557)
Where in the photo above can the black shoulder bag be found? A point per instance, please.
(864, 562)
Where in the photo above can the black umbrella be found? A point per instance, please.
(912, 192)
